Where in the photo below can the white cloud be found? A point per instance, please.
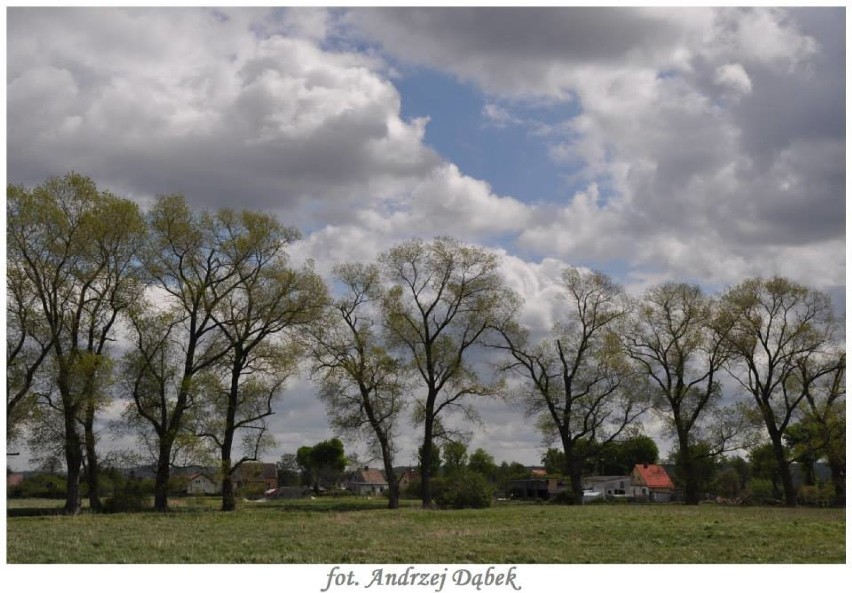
(733, 77)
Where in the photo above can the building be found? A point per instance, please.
(201, 483)
(255, 475)
(650, 482)
(367, 481)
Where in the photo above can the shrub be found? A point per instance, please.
(464, 489)
(130, 498)
(821, 495)
(760, 491)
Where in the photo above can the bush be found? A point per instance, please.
(760, 491)
(464, 489)
(821, 495)
(131, 498)
(40, 486)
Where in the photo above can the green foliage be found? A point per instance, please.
(461, 490)
(761, 492)
(819, 495)
(618, 458)
(40, 486)
(482, 463)
(130, 498)
(455, 457)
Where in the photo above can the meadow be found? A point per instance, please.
(354, 531)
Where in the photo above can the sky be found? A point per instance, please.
(704, 145)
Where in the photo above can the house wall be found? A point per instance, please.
(200, 485)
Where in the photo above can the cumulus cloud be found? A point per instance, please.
(701, 144)
(695, 126)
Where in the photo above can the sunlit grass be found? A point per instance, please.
(360, 531)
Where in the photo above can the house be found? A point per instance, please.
(607, 486)
(201, 483)
(651, 482)
(406, 476)
(255, 475)
(367, 481)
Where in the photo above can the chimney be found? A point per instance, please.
(645, 465)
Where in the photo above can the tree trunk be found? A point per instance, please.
(689, 470)
(74, 463)
(426, 466)
(161, 481)
(838, 478)
(229, 501)
(393, 482)
(783, 469)
(92, 477)
(574, 471)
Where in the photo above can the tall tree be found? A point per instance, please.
(76, 247)
(262, 319)
(776, 325)
(28, 344)
(823, 380)
(677, 338)
(445, 298)
(362, 385)
(578, 382)
(176, 338)
(455, 457)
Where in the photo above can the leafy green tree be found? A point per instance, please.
(553, 461)
(175, 336)
(578, 382)
(775, 326)
(823, 423)
(262, 322)
(482, 463)
(678, 337)
(618, 458)
(445, 299)
(362, 385)
(28, 346)
(455, 457)
(434, 459)
(328, 461)
(77, 249)
(764, 466)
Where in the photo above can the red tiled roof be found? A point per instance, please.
(654, 476)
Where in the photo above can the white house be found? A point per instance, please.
(199, 483)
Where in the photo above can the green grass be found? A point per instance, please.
(352, 531)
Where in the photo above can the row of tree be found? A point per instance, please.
(198, 319)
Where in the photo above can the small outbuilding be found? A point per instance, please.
(651, 482)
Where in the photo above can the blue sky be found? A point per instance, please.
(702, 144)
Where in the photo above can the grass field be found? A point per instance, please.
(359, 531)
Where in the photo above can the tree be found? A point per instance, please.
(28, 344)
(445, 299)
(455, 457)
(76, 248)
(189, 274)
(823, 380)
(677, 338)
(362, 385)
(262, 319)
(482, 463)
(288, 470)
(776, 326)
(578, 382)
(620, 457)
(553, 461)
(325, 461)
